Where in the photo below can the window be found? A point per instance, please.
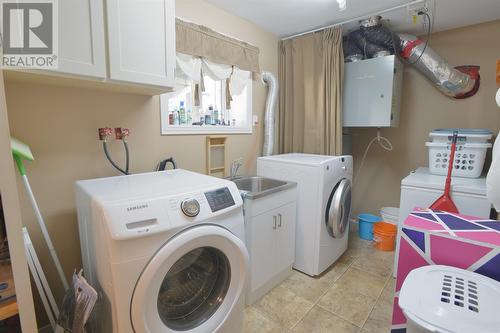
(181, 115)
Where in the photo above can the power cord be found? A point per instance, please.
(382, 141)
(429, 31)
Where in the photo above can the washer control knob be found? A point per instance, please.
(344, 168)
(190, 207)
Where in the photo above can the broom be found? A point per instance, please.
(81, 297)
(22, 151)
(444, 202)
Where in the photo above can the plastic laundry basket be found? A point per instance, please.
(445, 299)
(470, 154)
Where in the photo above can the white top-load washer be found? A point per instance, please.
(323, 205)
(166, 252)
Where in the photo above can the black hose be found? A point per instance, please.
(106, 152)
(127, 159)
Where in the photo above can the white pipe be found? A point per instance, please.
(45, 232)
(357, 18)
(272, 96)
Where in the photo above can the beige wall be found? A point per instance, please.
(424, 108)
(60, 124)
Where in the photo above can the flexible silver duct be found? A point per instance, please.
(450, 81)
(272, 95)
(372, 36)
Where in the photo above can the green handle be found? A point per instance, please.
(20, 165)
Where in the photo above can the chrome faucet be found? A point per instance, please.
(235, 166)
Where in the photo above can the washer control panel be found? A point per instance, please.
(219, 199)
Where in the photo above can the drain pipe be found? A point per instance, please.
(269, 80)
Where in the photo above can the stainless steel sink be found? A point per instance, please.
(254, 187)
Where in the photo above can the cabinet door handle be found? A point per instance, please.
(279, 220)
(274, 222)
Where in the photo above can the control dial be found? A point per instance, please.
(190, 207)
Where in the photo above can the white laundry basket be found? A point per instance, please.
(443, 299)
(472, 145)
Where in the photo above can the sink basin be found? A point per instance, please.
(254, 187)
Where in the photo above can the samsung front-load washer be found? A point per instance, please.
(323, 205)
(166, 252)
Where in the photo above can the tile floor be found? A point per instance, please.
(352, 296)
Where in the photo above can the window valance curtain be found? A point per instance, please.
(200, 41)
(190, 70)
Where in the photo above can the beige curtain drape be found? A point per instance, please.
(200, 41)
(310, 75)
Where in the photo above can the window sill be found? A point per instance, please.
(202, 130)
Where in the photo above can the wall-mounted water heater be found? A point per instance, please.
(372, 92)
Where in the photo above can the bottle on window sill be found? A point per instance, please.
(176, 117)
(216, 117)
(171, 118)
(182, 114)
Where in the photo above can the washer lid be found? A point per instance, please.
(451, 300)
(192, 283)
(422, 178)
(298, 158)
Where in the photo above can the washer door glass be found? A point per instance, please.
(194, 288)
(338, 209)
(192, 283)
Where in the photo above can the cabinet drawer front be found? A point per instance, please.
(271, 201)
(141, 39)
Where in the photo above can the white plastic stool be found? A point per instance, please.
(443, 299)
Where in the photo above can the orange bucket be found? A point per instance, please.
(384, 236)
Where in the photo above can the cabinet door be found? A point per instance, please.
(285, 251)
(141, 41)
(81, 38)
(262, 245)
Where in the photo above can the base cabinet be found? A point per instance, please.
(271, 243)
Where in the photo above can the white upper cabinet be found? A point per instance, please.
(141, 41)
(81, 38)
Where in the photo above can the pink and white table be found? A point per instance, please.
(439, 238)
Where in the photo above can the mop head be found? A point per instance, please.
(21, 149)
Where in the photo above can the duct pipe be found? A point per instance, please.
(459, 82)
(272, 95)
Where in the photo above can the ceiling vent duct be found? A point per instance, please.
(372, 38)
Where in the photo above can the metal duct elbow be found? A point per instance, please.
(459, 82)
(272, 95)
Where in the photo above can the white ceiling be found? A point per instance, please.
(289, 17)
